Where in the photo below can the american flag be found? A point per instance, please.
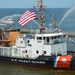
(28, 16)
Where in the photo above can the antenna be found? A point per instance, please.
(40, 5)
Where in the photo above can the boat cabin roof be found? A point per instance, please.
(49, 35)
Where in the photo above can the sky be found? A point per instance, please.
(30, 3)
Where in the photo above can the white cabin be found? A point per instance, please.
(47, 44)
(33, 45)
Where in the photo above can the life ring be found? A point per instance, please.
(21, 41)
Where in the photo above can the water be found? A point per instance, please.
(11, 69)
(67, 25)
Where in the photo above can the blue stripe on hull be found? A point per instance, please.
(55, 61)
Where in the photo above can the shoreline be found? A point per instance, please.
(71, 34)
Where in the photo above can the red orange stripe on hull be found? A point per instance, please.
(63, 61)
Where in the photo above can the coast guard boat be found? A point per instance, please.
(42, 49)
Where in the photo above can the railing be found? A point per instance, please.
(4, 51)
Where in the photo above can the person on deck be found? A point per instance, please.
(59, 54)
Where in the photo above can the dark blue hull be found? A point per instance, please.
(41, 62)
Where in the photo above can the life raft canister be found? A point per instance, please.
(62, 61)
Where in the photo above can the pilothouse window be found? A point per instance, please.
(55, 37)
(58, 36)
(39, 38)
(52, 37)
(43, 38)
(44, 52)
(47, 39)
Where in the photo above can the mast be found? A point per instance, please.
(55, 23)
(40, 5)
